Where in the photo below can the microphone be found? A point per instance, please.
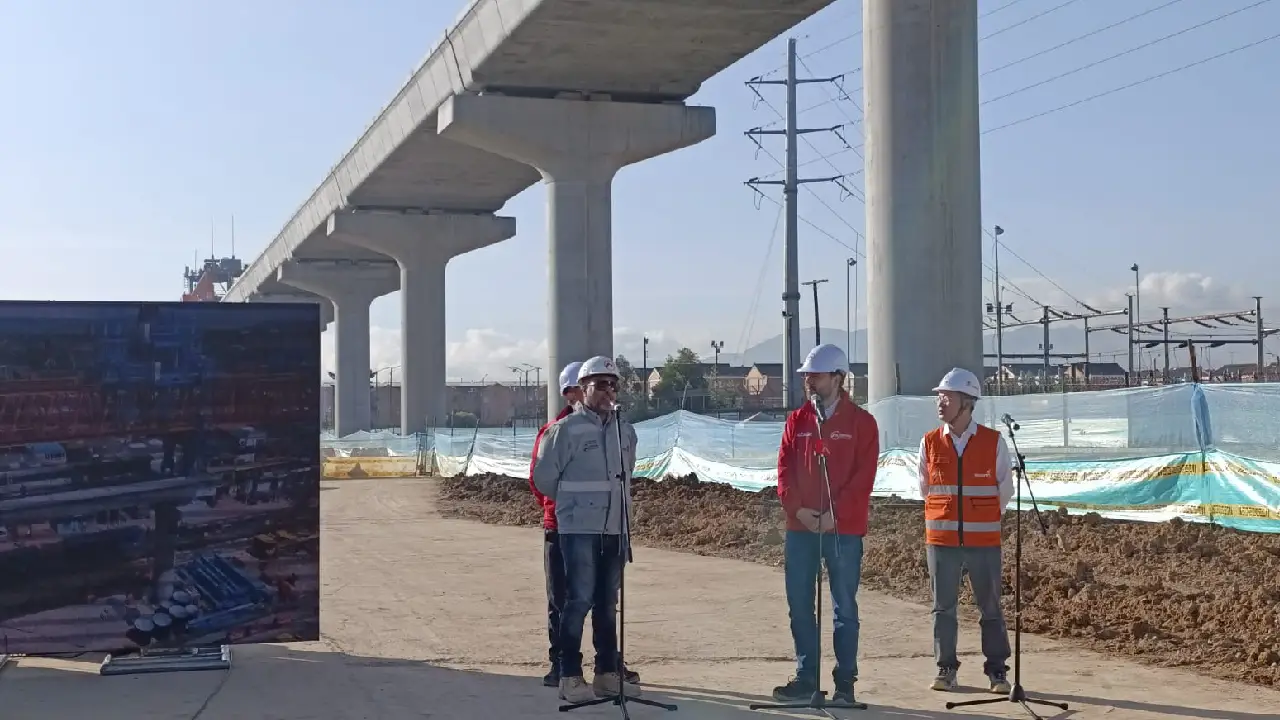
(1007, 419)
(816, 401)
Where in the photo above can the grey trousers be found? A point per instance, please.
(946, 568)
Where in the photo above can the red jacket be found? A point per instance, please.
(851, 440)
(548, 505)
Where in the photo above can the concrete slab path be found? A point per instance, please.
(432, 618)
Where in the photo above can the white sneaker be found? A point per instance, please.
(575, 690)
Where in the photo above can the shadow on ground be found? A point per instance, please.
(292, 683)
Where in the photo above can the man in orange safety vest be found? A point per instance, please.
(966, 480)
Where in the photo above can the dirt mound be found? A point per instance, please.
(1174, 594)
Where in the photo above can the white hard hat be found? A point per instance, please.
(598, 365)
(569, 376)
(826, 358)
(961, 380)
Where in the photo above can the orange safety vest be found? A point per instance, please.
(962, 507)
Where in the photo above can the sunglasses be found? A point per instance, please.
(605, 384)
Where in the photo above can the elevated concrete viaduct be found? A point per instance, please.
(421, 245)
(569, 91)
(578, 145)
(349, 286)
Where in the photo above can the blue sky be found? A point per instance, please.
(129, 129)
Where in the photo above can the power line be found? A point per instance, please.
(1037, 271)
(822, 158)
(791, 390)
(1005, 6)
(750, 324)
(1121, 54)
(853, 122)
(827, 233)
(1038, 15)
(853, 35)
(856, 70)
(1136, 83)
(824, 103)
(1078, 38)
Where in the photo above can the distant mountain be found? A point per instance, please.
(1104, 346)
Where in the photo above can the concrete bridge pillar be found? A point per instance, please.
(578, 146)
(924, 203)
(350, 287)
(421, 245)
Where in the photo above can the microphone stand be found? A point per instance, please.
(1016, 693)
(624, 556)
(818, 700)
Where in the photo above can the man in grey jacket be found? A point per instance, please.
(584, 463)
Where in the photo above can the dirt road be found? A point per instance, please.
(431, 617)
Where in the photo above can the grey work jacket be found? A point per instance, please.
(577, 465)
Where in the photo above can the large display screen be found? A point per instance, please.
(159, 475)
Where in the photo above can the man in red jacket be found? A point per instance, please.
(552, 560)
(826, 521)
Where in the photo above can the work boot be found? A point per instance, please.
(999, 682)
(797, 689)
(575, 690)
(945, 680)
(630, 675)
(843, 693)
(606, 685)
(552, 678)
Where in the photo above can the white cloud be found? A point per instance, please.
(1184, 293)
(488, 353)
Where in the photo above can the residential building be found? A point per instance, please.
(492, 404)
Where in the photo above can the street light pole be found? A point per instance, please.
(644, 369)
(1131, 376)
(1165, 312)
(999, 316)
(1262, 359)
(1137, 303)
(817, 321)
(848, 316)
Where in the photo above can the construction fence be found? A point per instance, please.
(1203, 453)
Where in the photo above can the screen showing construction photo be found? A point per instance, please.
(159, 475)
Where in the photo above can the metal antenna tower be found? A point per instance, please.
(791, 389)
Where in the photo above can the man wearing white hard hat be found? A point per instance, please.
(552, 560)
(826, 518)
(580, 465)
(966, 480)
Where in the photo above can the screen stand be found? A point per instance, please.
(164, 660)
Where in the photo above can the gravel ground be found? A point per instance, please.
(1172, 594)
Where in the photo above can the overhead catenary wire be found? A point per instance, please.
(857, 70)
(1134, 84)
(1024, 21)
(854, 122)
(846, 38)
(1037, 271)
(1078, 38)
(848, 94)
(1013, 287)
(749, 325)
(1125, 52)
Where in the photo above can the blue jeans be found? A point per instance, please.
(592, 576)
(843, 556)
